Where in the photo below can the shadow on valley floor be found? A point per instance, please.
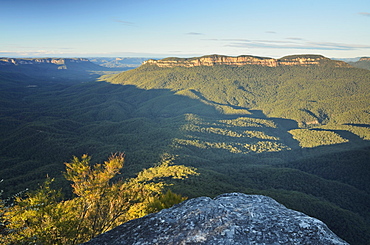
(358, 125)
(44, 127)
(283, 125)
(351, 137)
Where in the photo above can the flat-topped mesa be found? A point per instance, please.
(212, 60)
(310, 59)
(33, 61)
(365, 59)
(302, 60)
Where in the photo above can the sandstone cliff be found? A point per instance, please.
(233, 218)
(211, 60)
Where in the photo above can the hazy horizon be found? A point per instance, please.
(163, 28)
(162, 57)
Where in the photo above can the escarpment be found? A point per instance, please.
(365, 59)
(211, 60)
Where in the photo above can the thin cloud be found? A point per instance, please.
(259, 41)
(271, 32)
(297, 44)
(33, 53)
(339, 46)
(274, 41)
(294, 38)
(126, 23)
(367, 14)
(194, 33)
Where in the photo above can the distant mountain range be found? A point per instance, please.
(126, 63)
(64, 68)
(348, 59)
(51, 63)
(363, 63)
(118, 62)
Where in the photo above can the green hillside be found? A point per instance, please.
(363, 63)
(299, 134)
(305, 94)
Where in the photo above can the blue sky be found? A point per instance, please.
(184, 28)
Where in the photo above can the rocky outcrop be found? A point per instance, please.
(33, 61)
(309, 60)
(365, 59)
(233, 218)
(211, 60)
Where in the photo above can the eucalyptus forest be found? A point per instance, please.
(128, 143)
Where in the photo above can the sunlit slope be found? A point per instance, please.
(309, 95)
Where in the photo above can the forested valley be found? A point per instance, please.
(297, 134)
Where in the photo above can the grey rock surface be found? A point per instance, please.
(232, 218)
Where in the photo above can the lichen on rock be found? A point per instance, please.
(232, 218)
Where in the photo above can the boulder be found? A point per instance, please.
(232, 218)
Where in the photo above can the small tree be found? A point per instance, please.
(100, 204)
(36, 218)
(2, 213)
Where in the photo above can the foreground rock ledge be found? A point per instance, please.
(233, 218)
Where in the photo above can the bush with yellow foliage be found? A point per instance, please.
(100, 204)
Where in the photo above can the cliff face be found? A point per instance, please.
(213, 60)
(296, 60)
(233, 218)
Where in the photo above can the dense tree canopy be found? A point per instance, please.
(297, 134)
